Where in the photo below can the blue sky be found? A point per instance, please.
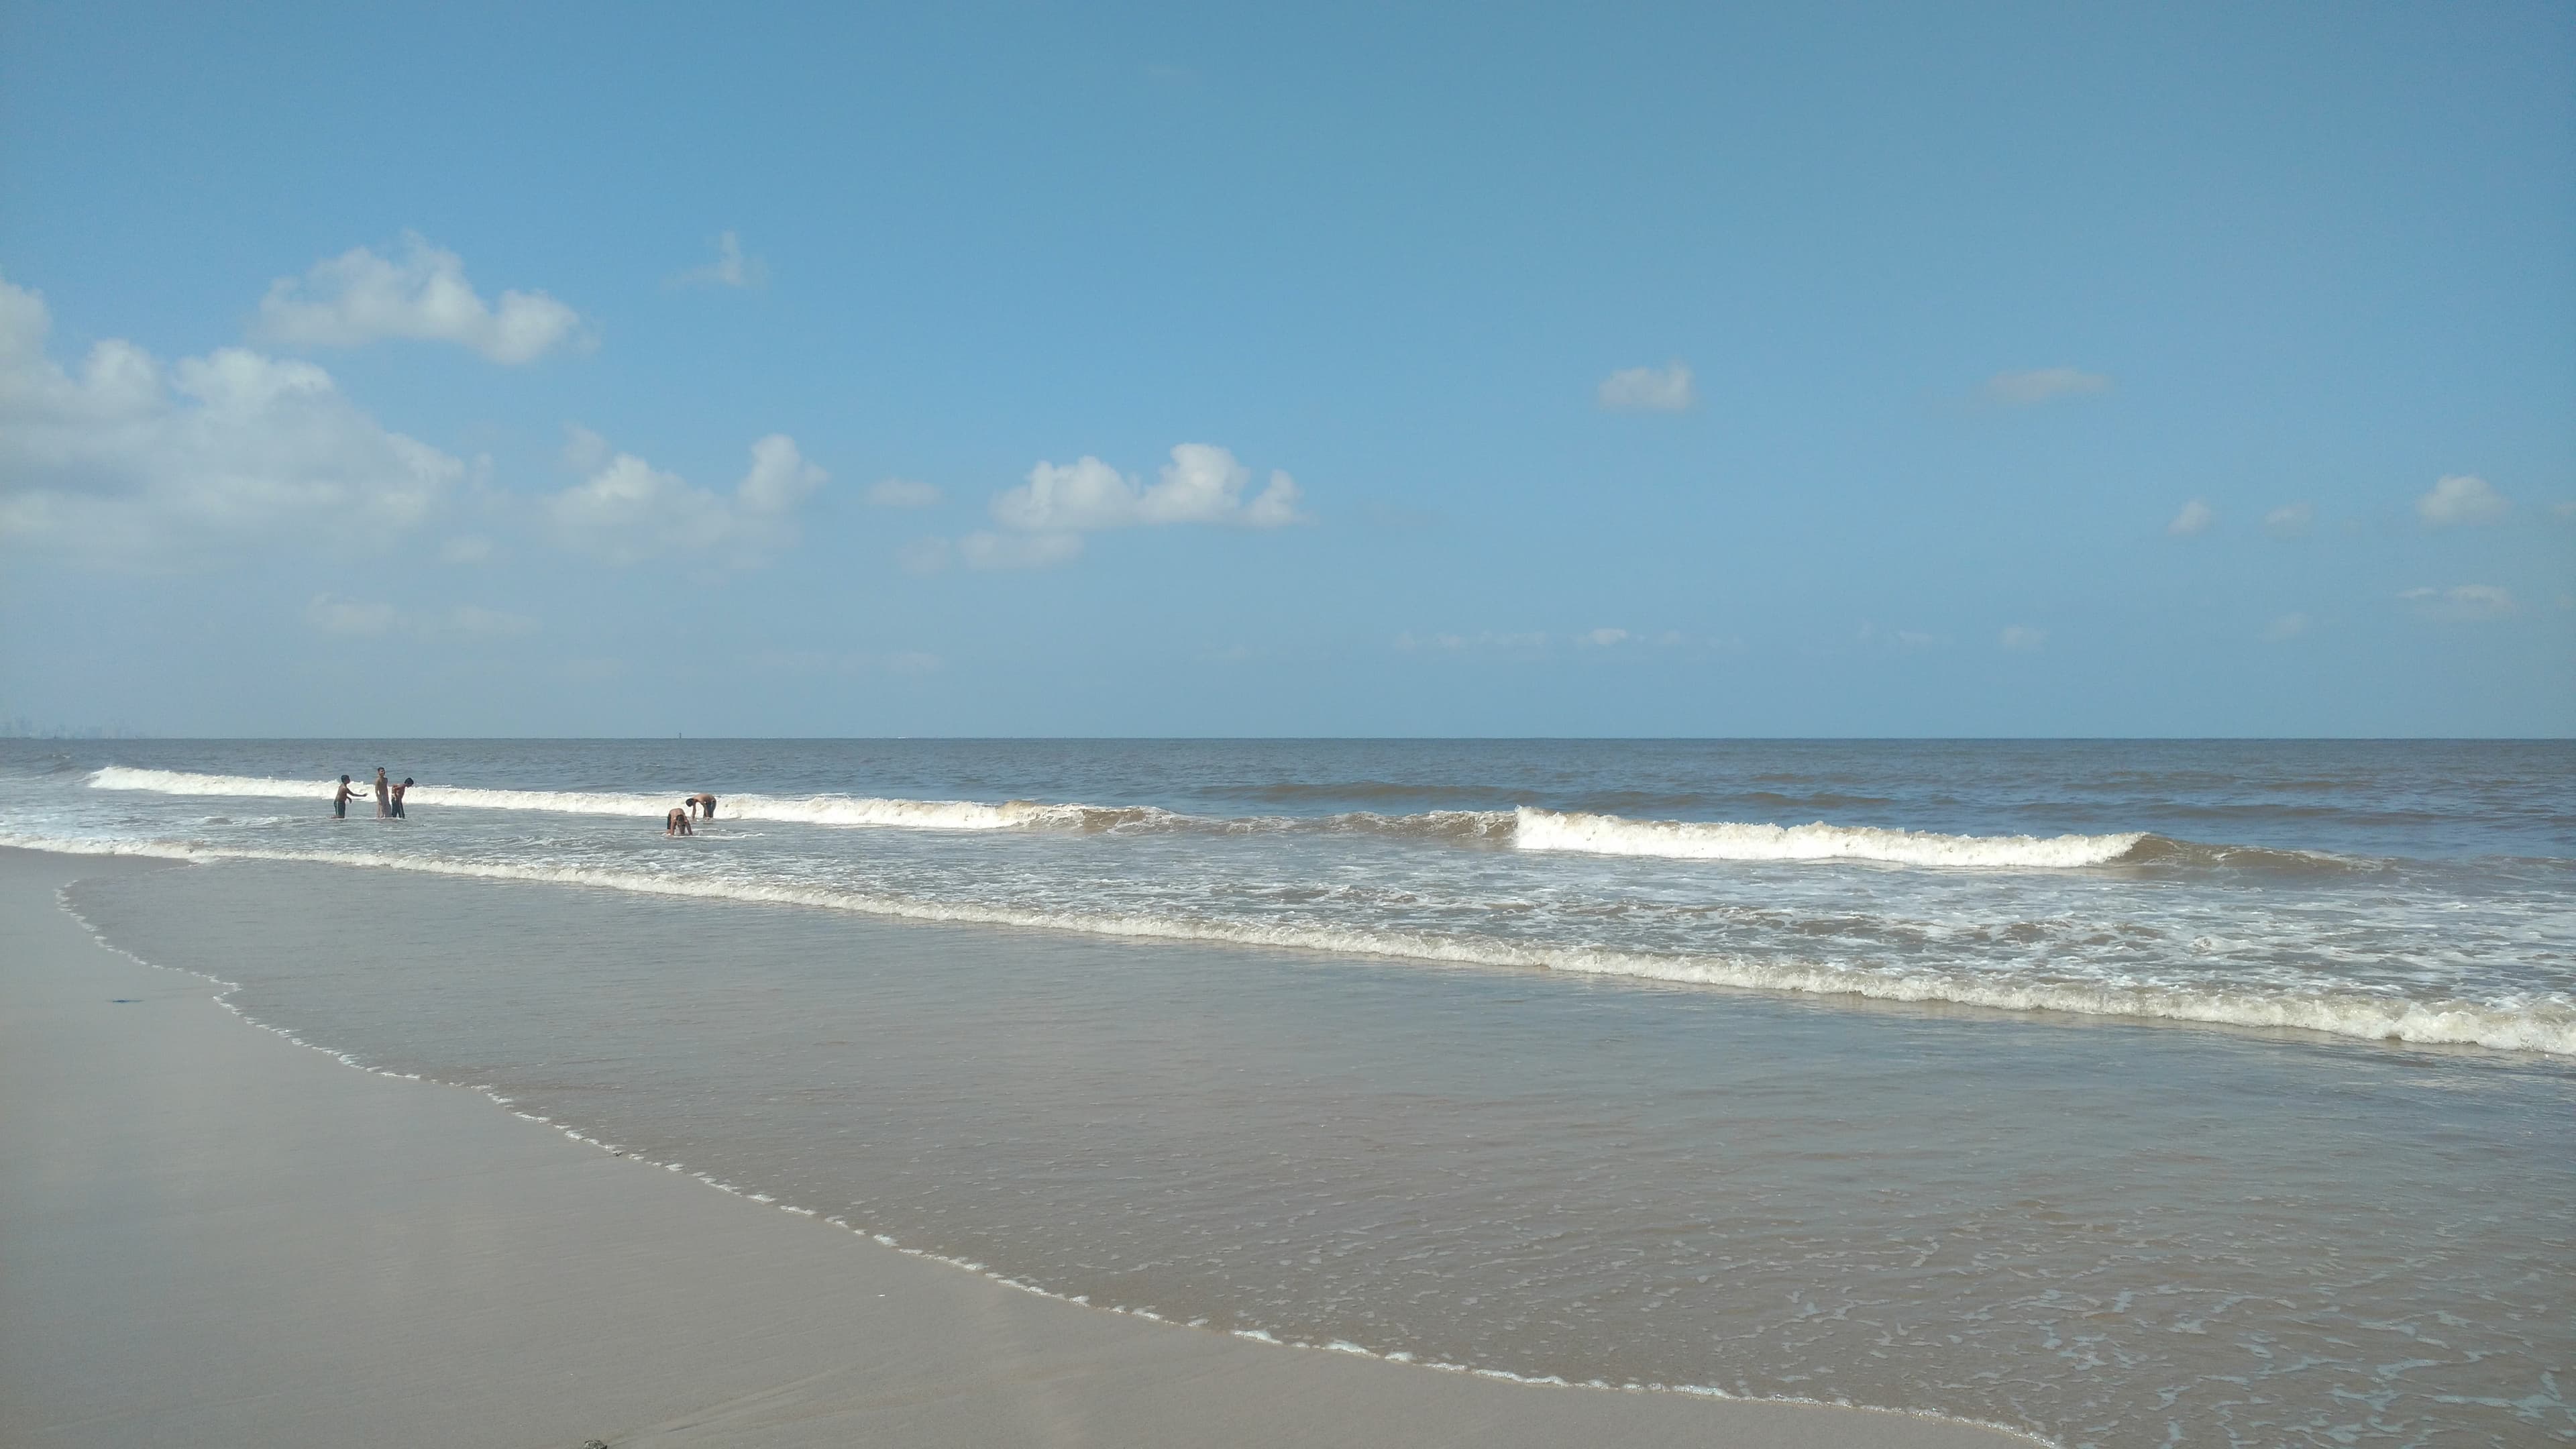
(1981, 370)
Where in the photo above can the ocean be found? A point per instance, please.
(2123, 1092)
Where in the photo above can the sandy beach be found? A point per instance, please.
(210, 1235)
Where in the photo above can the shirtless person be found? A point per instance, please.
(702, 805)
(677, 822)
(398, 794)
(384, 802)
(340, 802)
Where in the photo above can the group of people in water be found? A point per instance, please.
(389, 796)
(389, 803)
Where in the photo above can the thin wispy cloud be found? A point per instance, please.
(730, 268)
(2284, 627)
(2461, 603)
(1018, 550)
(418, 294)
(1666, 389)
(352, 618)
(2289, 520)
(2194, 520)
(2039, 385)
(902, 493)
(2022, 639)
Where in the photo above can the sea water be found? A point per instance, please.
(2124, 1092)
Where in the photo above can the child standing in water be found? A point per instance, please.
(340, 802)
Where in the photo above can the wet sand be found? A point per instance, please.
(212, 1236)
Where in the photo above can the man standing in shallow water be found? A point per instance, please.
(340, 802)
(384, 799)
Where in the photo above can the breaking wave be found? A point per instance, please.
(1528, 828)
(1721, 840)
(2546, 1024)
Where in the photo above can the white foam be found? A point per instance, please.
(808, 810)
(2547, 1024)
(1725, 840)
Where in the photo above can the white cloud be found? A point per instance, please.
(2195, 518)
(351, 618)
(1018, 550)
(1605, 638)
(585, 451)
(2461, 498)
(359, 297)
(730, 268)
(1202, 484)
(2461, 603)
(129, 458)
(1666, 389)
(2289, 520)
(902, 493)
(466, 548)
(2287, 626)
(627, 510)
(2022, 389)
(2022, 639)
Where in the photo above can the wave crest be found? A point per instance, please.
(1727, 840)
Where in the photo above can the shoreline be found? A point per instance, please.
(2350, 1017)
(220, 1241)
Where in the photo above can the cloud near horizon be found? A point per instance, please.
(352, 618)
(131, 459)
(420, 294)
(628, 511)
(1666, 389)
(2023, 389)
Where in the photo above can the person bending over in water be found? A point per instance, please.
(340, 802)
(703, 805)
(677, 822)
(398, 794)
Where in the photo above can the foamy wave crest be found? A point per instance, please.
(808, 810)
(1722, 840)
(2544, 1025)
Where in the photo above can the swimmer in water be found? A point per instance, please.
(677, 822)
